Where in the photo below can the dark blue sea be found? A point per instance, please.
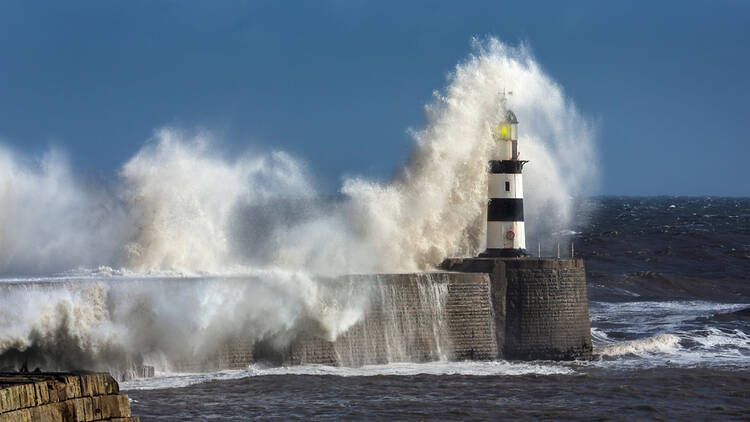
(669, 290)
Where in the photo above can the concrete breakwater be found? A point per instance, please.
(62, 397)
(411, 318)
(480, 309)
(541, 306)
(473, 309)
(407, 318)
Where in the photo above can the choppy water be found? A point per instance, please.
(669, 287)
(662, 394)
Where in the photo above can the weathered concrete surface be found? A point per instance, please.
(548, 310)
(495, 268)
(234, 354)
(480, 309)
(472, 317)
(62, 397)
(546, 314)
(412, 318)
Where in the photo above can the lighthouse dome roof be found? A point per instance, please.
(510, 117)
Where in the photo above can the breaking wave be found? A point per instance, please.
(109, 324)
(658, 343)
(674, 333)
(470, 368)
(182, 207)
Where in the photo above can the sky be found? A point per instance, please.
(339, 83)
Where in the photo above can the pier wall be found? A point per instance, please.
(412, 318)
(481, 309)
(234, 354)
(548, 310)
(474, 309)
(546, 314)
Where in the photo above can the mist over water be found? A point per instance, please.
(182, 208)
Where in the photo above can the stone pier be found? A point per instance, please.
(541, 305)
(489, 308)
(62, 397)
(415, 317)
(472, 309)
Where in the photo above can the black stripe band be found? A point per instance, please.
(503, 252)
(505, 209)
(507, 166)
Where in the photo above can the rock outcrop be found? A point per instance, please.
(62, 397)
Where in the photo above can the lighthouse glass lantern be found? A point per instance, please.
(507, 130)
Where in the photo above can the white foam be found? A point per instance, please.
(699, 348)
(173, 380)
(429, 368)
(164, 380)
(652, 317)
(673, 334)
(662, 343)
(599, 337)
(164, 319)
(714, 338)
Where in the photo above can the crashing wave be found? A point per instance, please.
(661, 343)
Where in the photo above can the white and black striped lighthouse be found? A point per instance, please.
(505, 231)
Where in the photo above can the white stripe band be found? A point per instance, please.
(497, 235)
(505, 185)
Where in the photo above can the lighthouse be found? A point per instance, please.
(541, 308)
(505, 231)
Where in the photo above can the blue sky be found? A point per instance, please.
(339, 83)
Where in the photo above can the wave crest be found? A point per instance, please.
(657, 344)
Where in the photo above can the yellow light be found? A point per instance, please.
(501, 131)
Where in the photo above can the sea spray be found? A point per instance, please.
(184, 197)
(182, 208)
(50, 221)
(435, 207)
(113, 323)
(407, 318)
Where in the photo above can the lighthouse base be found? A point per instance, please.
(541, 306)
(503, 253)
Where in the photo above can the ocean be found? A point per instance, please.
(669, 291)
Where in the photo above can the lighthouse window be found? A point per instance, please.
(507, 186)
